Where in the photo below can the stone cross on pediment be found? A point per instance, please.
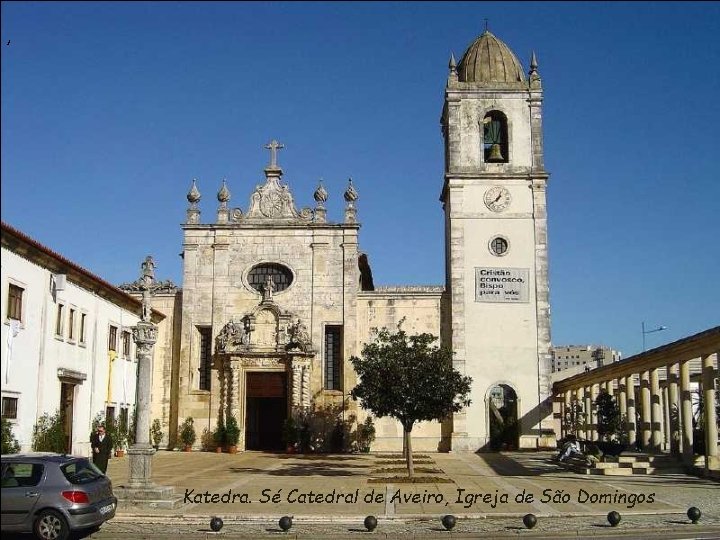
(274, 146)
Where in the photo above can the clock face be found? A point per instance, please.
(497, 198)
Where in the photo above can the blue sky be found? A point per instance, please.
(110, 109)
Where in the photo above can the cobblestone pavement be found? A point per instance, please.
(329, 496)
(634, 526)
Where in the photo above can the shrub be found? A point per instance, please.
(9, 442)
(365, 435)
(220, 434)
(49, 434)
(156, 433)
(232, 431)
(290, 433)
(187, 432)
(206, 439)
(120, 438)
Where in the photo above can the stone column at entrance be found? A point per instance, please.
(631, 421)
(580, 401)
(666, 416)
(235, 392)
(594, 392)
(567, 404)
(711, 427)
(674, 407)
(622, 400)
(655, 411)
(587, 429)
(646, 403)
(686, 413)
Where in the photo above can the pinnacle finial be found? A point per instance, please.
(486, 24)
(533, 63)
(224, 193)
(321, 194)
(193, 195)
(350, 194)
(453, 64)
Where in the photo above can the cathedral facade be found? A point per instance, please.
(275, 299)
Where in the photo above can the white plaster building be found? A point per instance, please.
(66, 342)
(275, 299)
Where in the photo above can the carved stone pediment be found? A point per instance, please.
(267, 329)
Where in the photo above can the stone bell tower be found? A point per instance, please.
(496, 247)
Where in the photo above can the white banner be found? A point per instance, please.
(502, 285)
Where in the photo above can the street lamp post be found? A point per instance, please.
(645, 332)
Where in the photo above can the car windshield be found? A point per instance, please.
(81, 472)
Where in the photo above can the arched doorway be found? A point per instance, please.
(502, 404)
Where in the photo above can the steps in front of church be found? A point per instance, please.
(629, 465)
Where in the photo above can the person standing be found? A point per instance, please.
(102, 445)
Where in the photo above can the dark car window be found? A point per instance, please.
(81, 472)
(22, 474)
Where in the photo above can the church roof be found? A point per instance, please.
(490, 60)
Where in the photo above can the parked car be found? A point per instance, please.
(53, 495)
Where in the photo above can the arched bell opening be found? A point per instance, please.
(495, 137)
(502, 406)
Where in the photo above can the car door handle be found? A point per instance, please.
(31, 493)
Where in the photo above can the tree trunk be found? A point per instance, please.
(404, 451)
(408, 449)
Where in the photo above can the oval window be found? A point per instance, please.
(281, 275)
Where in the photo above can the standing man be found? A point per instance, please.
(101, 444)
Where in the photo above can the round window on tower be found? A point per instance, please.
(499, 246)
(281, 276)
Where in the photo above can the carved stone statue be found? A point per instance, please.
(234, 336)
(148, 268)
(298, 336)
(268, 289)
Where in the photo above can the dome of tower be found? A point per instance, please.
(490, 60)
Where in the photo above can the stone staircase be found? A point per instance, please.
(627, 465)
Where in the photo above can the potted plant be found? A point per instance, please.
(156, 433)
(120, 440)
(187, 434)
(220, 435)
(232, 434)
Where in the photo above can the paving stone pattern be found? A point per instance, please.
(483, 478)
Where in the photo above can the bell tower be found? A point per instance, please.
(496, 259)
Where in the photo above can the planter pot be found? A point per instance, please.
(218, 449)
(187, 448)
(290, 450)
(232, 449)
(119, 453)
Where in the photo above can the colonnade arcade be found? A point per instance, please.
(654, 391)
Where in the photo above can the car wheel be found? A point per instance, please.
(50, 525)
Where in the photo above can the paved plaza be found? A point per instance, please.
(329, 495)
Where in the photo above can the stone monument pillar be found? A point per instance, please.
(140, 489)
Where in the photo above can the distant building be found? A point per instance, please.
(591, 356)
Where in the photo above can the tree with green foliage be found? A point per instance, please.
(232, 431)
(409, 378)
(9, 442)
(608, 416)
(49, 434)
